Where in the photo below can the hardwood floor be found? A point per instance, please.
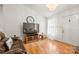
(49, 47)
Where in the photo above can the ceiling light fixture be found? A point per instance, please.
(52, 7)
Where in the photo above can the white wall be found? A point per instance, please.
(1, 19)
(71, 29)
(15, 15)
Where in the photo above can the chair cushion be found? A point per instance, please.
(9, 43)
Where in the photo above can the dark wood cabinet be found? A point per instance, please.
(34, 38)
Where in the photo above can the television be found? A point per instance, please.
(30, 28)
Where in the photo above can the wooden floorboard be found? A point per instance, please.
(49, 47)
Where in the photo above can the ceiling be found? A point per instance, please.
(44, 11)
